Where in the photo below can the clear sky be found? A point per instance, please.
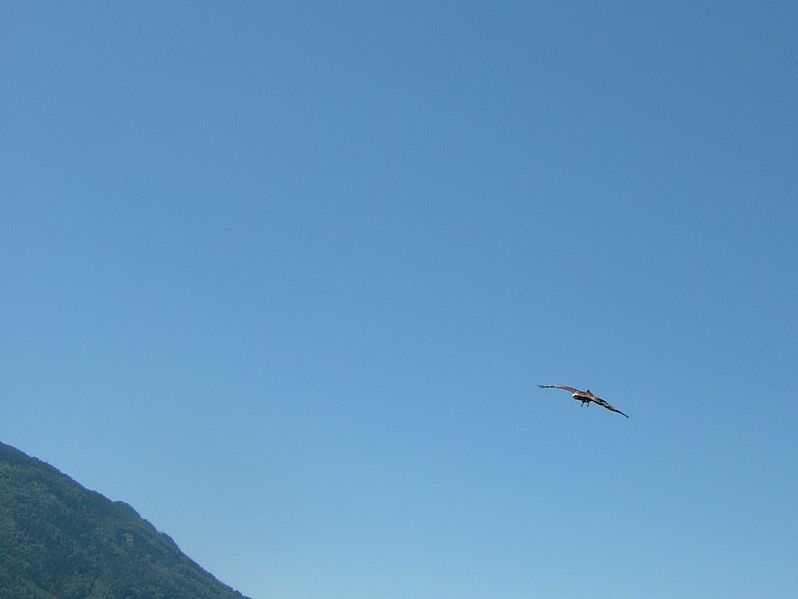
(284, 277)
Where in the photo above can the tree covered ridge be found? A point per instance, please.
(59, 540)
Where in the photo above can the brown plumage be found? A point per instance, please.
(584, 396)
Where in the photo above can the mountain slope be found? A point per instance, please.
(59, 540)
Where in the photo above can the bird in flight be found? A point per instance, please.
(584, 396)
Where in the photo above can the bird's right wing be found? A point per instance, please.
(563, 387)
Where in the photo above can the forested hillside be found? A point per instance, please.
(59, 540)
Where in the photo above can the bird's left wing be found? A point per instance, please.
(605, 404)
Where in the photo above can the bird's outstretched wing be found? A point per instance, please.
(604, 404)
(563, 387)
(585, 396)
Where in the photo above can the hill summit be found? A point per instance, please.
(59, 540)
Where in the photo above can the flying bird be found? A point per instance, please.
(584, 396)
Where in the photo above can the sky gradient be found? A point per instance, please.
(284, 277)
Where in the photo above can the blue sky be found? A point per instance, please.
(284, 278)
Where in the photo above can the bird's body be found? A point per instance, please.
(584, 396)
